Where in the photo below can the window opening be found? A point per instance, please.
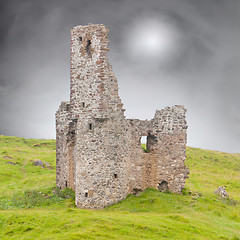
(86, 194)
(115, 175)
(143, 141)
(80, 39)
(83, 104)
(90, 126)
(88, 48)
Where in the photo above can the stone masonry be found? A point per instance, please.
(99, 152)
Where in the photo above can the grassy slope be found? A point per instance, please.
(152, 215)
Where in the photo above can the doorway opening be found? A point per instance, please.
(163, 186)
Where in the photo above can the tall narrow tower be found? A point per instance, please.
(94, 88)
(95, 151)
(95, 103)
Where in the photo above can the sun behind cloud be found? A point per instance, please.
(153, 38)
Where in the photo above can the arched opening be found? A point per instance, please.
(163, 186)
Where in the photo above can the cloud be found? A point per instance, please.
(202, 72)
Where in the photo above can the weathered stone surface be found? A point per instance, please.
(12, 163)
(99, 152)
(38, 162)
(222, 192)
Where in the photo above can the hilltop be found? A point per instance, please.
(31, 207)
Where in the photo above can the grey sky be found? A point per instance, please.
(199, 67)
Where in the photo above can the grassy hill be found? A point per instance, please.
(32, 208)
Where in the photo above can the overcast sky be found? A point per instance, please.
(163, 52)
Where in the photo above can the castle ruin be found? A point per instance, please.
(99, 153)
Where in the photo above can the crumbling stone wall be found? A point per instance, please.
(65, 143)
(99, 152)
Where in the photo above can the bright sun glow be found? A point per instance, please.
(152, 39)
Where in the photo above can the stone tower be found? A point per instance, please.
(99, 152)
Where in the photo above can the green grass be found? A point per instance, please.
(144, 147)
(32, 208)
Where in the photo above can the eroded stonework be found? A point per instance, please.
(99, 152)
